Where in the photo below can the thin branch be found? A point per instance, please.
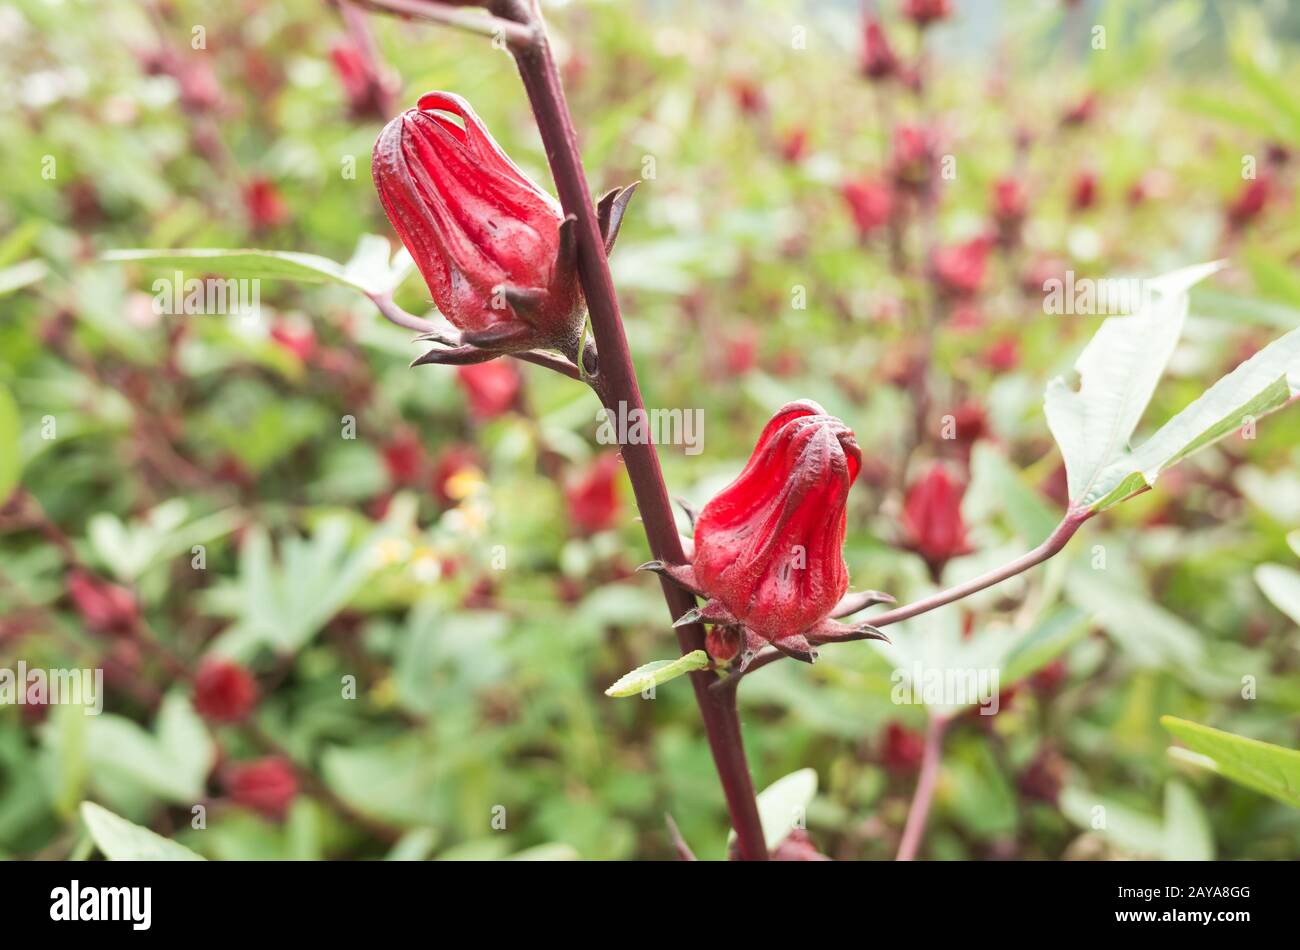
(1053, 545)
(484, 24)
(919, 813)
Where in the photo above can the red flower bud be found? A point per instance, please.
(1080, 112)
(901, 749)
(878, 59)
(912, 156)
(268, 785)
(593, 498)
(497, 252)
(404, 458)
(1250, 201)
(1083, 192)
(925, 12)
(959, 269)
(369, 94)
(749, 96)
(932, 521)
(298, 339)
(265, 207)
(1003, 355)
(449, 469)
(871, 202)
(768, 547)
(794, 144)
(105, 607)
(491, 388)
(1009, 202)
(224, 691)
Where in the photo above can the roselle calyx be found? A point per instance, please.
(496, 251)
(768, 549)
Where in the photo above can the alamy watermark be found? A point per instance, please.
(1086, 296)
(236, 296)
(683, 427)
(57, 687)
(946, 686)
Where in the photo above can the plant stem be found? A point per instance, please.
(447, 15)
(617, 385)
(1054, 543)
(919, 813)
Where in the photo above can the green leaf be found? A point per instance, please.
(11, 458)
(368, 271)
(656, 672)
(1118, 371)
(1281, 585)
(1261, 766)
(120, 840)
(20, 275)
(1188, 836)
(1263, 383)
(783, 806)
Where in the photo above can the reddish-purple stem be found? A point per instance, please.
(617, 385)
(919, 813)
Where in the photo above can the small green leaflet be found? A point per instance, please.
(783, 806)
(120, 840)
(369, 270)
(659, 671)
(1119, 369)
(1262, 766)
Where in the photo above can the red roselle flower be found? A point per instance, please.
(959, 269)
(932, 521)
(264, 205)
(593, 498)
(455, 469)
(925, 12)
(496, 250)
(878, 59)
(224, 691)
(104, 607)
(901, 748)
(298, 339)
(1010, 202)
(871, 202)
(912, 156)
(768, 548)
(404, 458)
(1003, 355)
(1083, 192)
(1250, 201)
(267, 785)
(368, 93)
(1081, 112)
(491, 388)
(794, 145)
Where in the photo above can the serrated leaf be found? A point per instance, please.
(656, 672)
(368, 271)
(120, 840)
(1118, 372)
(1261, 766)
